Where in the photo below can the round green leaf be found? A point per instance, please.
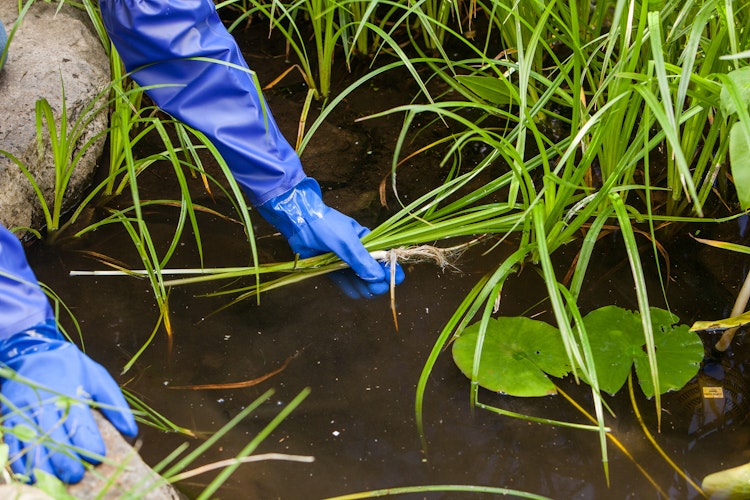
(614, 335)
(617, 341)
(516, 354)
(679, 353)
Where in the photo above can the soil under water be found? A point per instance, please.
(358, 422)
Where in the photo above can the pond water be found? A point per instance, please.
(358, 421)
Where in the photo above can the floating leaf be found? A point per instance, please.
(614, 335)
(679, 353)
(516, 354)
(617, 341)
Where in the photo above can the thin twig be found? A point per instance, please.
(244, 383)
(232, 461)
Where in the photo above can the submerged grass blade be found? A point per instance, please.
(252, 445)
(641, 294)
(617, 443)
(404, 490)
(653, 442)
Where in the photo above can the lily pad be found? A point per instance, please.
(517, 353)
(616, 338)
(679, 353)
(615, 335)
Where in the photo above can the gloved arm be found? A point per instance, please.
(3, 42)
(156, 39)
(47, 367)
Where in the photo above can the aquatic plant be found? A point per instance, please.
(615, 117)
(596, 112)
(613, 94)
(68, 144)
(518, 353)
(321, 18)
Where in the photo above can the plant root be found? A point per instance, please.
(443, 257)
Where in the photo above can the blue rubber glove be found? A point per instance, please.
(313, 228)
(193, 69)
(64, 430)
(41, 356)
(3, 42)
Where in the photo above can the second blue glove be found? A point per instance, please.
(61, 431)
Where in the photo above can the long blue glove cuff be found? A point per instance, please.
(23, 304)
(194, 70)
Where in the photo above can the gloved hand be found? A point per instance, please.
(3, 42)
(57, 409)
(313, 228)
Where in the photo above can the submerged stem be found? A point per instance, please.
(739, 307)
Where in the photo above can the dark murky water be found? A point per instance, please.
(358, 421)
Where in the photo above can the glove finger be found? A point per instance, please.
(339, 234)
(29, 456)
(84, 434)
(378, 287)
(115, 408)
(65, 462)
(35, 457)
(381, 287)
(358, 258)
(20, 462)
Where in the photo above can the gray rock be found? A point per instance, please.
(56, 48)
(51, 50)
(22, 492)
(123, 474)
